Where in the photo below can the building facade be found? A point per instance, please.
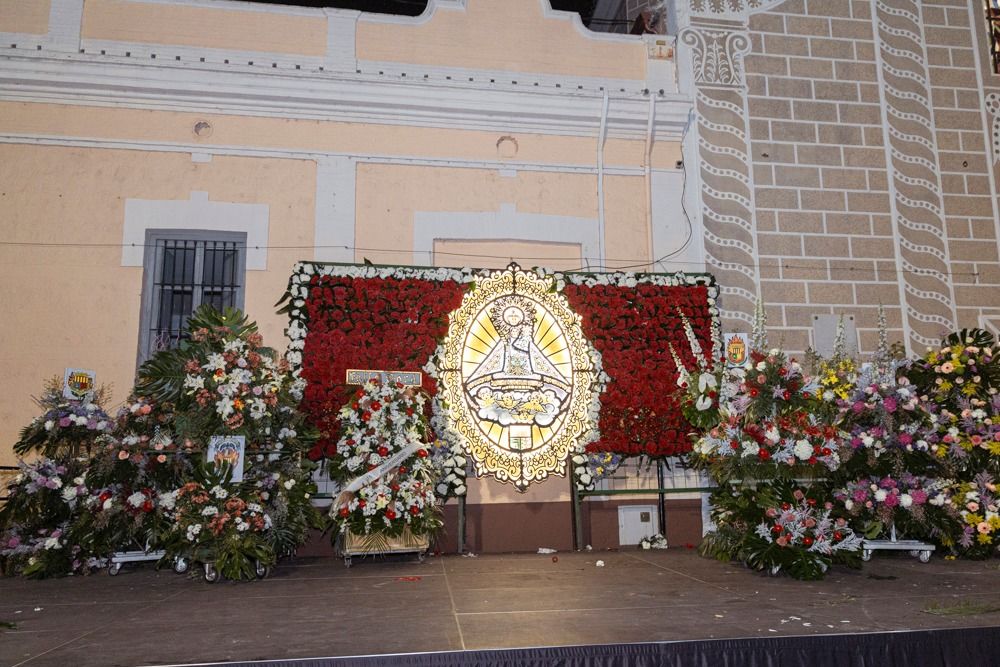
(830, 156)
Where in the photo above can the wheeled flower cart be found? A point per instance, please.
(378, 544)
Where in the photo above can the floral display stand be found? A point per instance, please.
(119, 558)
(917, 549)
(378, 544)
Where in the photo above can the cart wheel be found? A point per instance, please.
(347, 561)
(114, 569)
(420, 556)
(261, 570)
(866, 555)
(180, 565)
(211, 574)
(925, 556)
(915, 553)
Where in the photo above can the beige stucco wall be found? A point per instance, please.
(26, 16)
(509, 35)
(77, 306)
(242, 28)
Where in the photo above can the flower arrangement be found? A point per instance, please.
(37, 539)
(979, 507)
(769, 426)
(225, 526)
(801, 537)
(779, 526)
(384, 464)
(657, 541)
(66, 427)
(918, 506)
(883, 426)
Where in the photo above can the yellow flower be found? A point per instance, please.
(984, 539)
(945, 385)
(973, 519)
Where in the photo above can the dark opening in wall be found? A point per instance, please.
(416, 7)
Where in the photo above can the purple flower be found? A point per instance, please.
(860, 495)
(919, 496)
(64, 422)
(858, 406)
(905, 438)
(890, 404)
(891, 500)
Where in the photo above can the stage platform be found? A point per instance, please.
(642, 608)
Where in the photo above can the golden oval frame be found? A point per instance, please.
(517, 468)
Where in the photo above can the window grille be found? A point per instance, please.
(993, 27)
(182, 273)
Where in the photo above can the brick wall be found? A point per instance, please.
(868, 160)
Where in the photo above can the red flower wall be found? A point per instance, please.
(396, 324)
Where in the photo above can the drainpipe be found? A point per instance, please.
(602, 135)
(647, 173)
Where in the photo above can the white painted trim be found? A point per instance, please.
(341, 40)
(671, 228)
(507, 224)
(568, 84)
(65, 21)
(105, 50)
(23, 41)
(301, 154)
(197, 213)
(987, 131)
(266, 91)
(336, 182)
(236, 5)
(891, 181)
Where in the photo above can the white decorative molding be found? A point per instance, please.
(197, 213)
(507, 224)
(717, 55)
(731, 10)
(676, 246)
(336, 180)
(923, 260)
(303, 154)
(993, 109)
(65, 20)
(341, 40)
(237, 5)
(266, 91)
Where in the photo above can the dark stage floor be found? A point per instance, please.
(317, 607)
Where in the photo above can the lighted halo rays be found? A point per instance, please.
(518, 376)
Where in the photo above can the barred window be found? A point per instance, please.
(183, 270)
(993, 27)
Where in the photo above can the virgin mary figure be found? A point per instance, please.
(516, 383)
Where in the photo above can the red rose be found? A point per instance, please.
(422, 453)
(390, 514)
(414, 510)
(344, 512)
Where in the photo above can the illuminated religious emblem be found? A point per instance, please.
(518, 377)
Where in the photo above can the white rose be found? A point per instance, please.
(803, 450)
(49, 425)
(761, 365)
(905, 500)
(848, 504)
(880, 495)
(289, 484)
